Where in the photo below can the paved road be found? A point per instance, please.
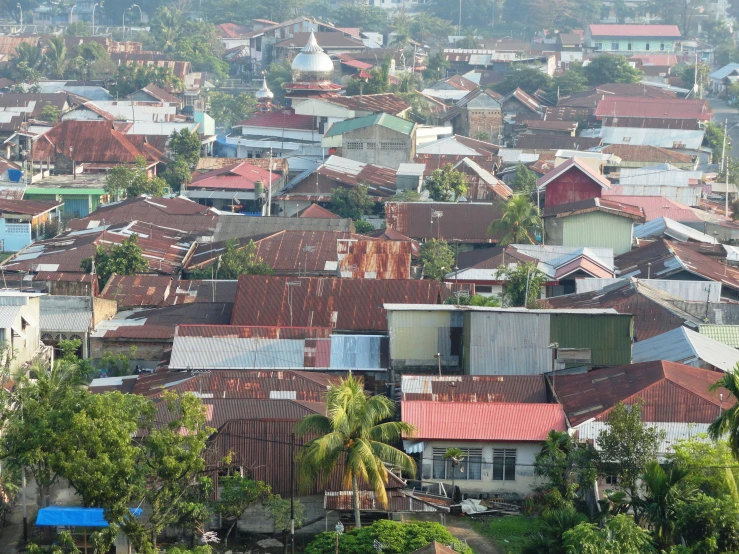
(722, 112)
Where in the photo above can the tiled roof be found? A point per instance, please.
(482, 421)
(474, 388)
(280, 120)
(346, 304)
(573, 162)
(653, 310)
(726, 334)
(455, 222)
(671, 392)
(608, 205)
(632, 30)
(653, 108)
(379, 103)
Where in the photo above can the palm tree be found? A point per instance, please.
(662, 488)
(519, 218)
(728, 422)
(56, 56)
(31, 55)
(455, 456)
(353, 438)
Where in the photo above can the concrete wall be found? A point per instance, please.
(14, 236)
(477, 121)
(717, 314)
(103, 309)
(148, 353)
(522, 486)
(23, 339)
(256, 519)
(376, 145)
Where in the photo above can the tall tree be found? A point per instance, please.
(521, 284)
(727, 424)
(528, 79)
(123, 181)
(352, 438)
(611, 69)
(524, 181)
(446, 184)
(237, 494)
(234, 260)
(627, 445)
(55, 56)
(437, 259)
(122, 259)
(185, 145)
(352, 202)
(518, 223)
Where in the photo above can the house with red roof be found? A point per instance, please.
(499, 441)
(631, 38)
(572, 181)
(242, 187)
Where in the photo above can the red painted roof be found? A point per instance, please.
(319, 212)
(646, 31)
(243, 176)
(658, 206)
(281, 119)
(653, 108)
(482, 421)
(356, 64)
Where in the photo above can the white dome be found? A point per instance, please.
(312, 63)
(264, 94)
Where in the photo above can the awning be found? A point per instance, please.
(412, 447)
(69, 516)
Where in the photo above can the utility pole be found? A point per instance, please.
(725, 164)
(269, 192)
(292, 493)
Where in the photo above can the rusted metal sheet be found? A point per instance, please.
(475, 388)
(347, 304)
(374, 259)
(449, 221)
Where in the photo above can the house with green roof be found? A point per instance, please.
(378, 139)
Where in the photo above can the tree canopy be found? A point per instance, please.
(125, 258)
(233, 260)
(446, 184)
(437, 259)
(123, 181)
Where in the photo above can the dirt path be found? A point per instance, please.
(463, 530)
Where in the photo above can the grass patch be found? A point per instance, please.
(5, 255)
(510, 533)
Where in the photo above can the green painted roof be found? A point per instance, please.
(727, 334)
(62, 191)
(386, 120)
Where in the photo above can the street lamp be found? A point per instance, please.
(437, 356)
(141, 16)
(71, 12)
(21, 9)
(93, 18)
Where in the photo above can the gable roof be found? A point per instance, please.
(160, 94)
(609, 205)
(316, 211)
(659, 206)
(663, 258)
(575, 163)
(345, 304)
(486, 178)
(633, 30)
(461, 83)
(672, 392)
(482, 421)
(285, 119)
(525, 99)
(653, 108)
(388, 121)
(242, 176)
(653, 310)
(686, 346)
(725, 71)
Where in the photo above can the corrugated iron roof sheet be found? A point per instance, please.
(379, 103)
(316, 211)
(672, 392)
(474, 388)
(481, 421)
(649, 108)
(348, 304)
(658, 206)
(674, 432)
(646, 154)
(453, 222)
(634, 30)
(663, 138)
(607, 205)
(388, 121)
(686, 346)
(148, 291)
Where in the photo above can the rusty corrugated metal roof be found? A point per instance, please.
(475, 388)
(374, 259)
(671, 392)
(347, 304)
(316, 211)
(149, 291)
(458, 222)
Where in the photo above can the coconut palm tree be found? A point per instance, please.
(56, 56)
(728, 422)
(354, 438)
(519, 218)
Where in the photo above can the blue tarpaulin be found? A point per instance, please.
(69, 516)
(15, 175)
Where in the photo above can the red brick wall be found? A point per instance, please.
(571, 186)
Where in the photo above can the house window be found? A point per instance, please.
(392, 145)
(355, 146)
(646, 46)
(614, 46)
(371, 145)
(611, 479)
(628, 46)
(485, 289)
(504, 464)
(469, 470)
(598, 46)
(662, 46)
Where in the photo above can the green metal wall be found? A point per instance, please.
(608, 336)
(597, 229)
